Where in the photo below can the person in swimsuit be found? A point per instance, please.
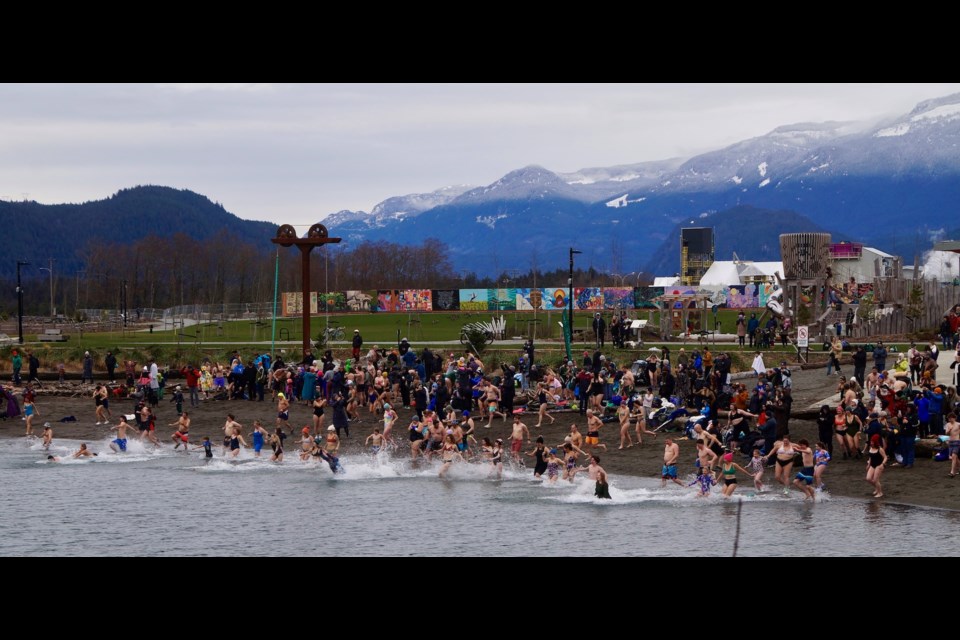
(276, 444)
(374, 441)
(83, 452)
(181, 435)
(207, 447)
(544, 401)
(671, 453)
(641, 419)
(283, 410)
(492, 400)
(623, 414)
(820, 459)
(306, 444)
(448, 454)
(258, 438)
(29, 411)
(755, 468)
(416, 436)
(516, 437)
(728, 470)
(389, 419)
(876, 461)
(540, 453)
(952, 428)
(807, 475)
(602, 488)
(496, 458)
(594, 424)
(840, 431)
(553, 464)
(99, 395)
(704, 481)
(318, 404)
(235, 441)
(47, 436)
(570, 455)
(854, 425)
(785, 453)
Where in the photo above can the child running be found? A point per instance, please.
(820, 457)
(120, 444)
(705, 480)
(755, 468)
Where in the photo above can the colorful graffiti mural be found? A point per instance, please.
(334, 301)
(589, 298)
(473, 299)
(414, 300)
(387, 299)
(614, 298)
(643, 297)
(292, 303)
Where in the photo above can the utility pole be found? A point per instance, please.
(20, 263)
(50, 270)
(569, 331)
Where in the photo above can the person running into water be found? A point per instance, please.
(594, 424)
(876, 461)
(258, 437)
(704, 480)
(493, 404)
(807, 475)
(540, 453)
(276, 445)
(496, 457)
(755, 468)
(570, 455)
(306, 444)
(101, 399)
(318, 419)
(389, 419)
(148, 425)
(671, 452)
(542, 397)
(820, 459)
(182, 434)
(602, 488)
(728, 469)
(705, 457)
(120, 443)
(207, 447)
(448, 454)
(374, 441)
(84, 452)
(516, 437)
(29, 411)
(228, 428)
(235, 441)
(47, 436)
(785, 453)
(553, 465)
(283, 410)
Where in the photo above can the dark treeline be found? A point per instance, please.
(179, 270)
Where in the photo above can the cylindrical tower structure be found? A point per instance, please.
(805, 256)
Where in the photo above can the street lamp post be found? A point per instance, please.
(20, 263)
(570, 304)
(50, 270)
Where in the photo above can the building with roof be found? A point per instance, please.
(853, 260)
(728, 273)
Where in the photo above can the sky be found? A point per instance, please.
(294, 153)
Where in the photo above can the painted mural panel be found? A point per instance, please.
(360, 300)
(643, 297)
(473, 299)
(293, 303)
(414, 300)
(332, 301)
(387, 299)
(501, 299)
(446, 299)
(589, 298)
(617, 298)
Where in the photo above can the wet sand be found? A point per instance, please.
(926, 484)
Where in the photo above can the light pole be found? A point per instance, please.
(50, 269)
(20, 263)
(570, 304)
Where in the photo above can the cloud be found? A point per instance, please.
(191, 87)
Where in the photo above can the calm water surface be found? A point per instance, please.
(162, 503)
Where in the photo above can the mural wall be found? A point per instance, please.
(608, 299)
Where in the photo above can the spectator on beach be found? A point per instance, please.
(880, 356)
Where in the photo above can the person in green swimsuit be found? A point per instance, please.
(728, 471)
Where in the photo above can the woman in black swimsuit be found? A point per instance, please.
(540, 452)
(276, 443)
(318, 404)
(876, 461)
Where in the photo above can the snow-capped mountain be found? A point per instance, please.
(865, 182)
(392, 210)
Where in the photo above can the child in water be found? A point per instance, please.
(755, 467)
(706, 480)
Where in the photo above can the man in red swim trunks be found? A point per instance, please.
(516, 437)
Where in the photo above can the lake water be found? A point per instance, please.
(163, 503)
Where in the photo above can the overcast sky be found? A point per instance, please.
(295, 153)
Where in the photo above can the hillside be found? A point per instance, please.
(64, 232)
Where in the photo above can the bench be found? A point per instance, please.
(52, 335)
